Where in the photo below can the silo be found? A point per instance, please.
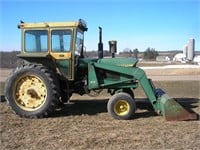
(190, 52)
(185, 49)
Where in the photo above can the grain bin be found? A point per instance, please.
(190, 50)
(185, 49)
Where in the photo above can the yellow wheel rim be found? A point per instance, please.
(121, 107)
(30, 92)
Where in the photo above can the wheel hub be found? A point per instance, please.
(121, 107)
(30, 92)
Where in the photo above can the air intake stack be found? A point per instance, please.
(100, 44)
(112, 47)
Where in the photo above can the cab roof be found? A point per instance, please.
(80, 23)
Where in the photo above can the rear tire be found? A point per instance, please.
(121, 106)
(32, 91)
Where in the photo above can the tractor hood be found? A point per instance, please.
(124, 62)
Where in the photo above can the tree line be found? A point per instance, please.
(148, 54)
(10, 59)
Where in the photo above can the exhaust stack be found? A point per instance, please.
(100, 44)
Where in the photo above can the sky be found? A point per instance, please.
(160, 24)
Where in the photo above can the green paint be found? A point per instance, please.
(64, 67)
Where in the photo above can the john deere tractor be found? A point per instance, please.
(54, 67)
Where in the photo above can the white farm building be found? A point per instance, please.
(180, 57)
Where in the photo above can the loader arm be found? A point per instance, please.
(134, 73)
(160, 101)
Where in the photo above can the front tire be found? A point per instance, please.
(32, 91)
(121, 106)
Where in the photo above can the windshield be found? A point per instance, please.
(79, 43)
(60, 40)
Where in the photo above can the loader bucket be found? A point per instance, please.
(171, 110)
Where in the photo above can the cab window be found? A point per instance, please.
(79, 43)
(60, 40)
(36, 41)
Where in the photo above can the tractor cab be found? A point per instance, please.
(60, 42)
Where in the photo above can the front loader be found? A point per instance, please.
(54, 67)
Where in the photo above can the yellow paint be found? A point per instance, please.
(126, 65)
(61, 55)
(121, 107)
(48, 24)
(30, 92)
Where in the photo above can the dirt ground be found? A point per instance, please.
(85, 124)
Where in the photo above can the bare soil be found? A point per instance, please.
(85, 124)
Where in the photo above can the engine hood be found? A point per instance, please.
(123, 62)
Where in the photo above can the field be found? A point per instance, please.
(85, 124)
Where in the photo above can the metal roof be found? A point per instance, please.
(47, 24)
(80, 23)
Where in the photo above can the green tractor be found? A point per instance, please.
(54, 67)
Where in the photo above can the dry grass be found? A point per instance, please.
(175, 89)
(177, 72)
